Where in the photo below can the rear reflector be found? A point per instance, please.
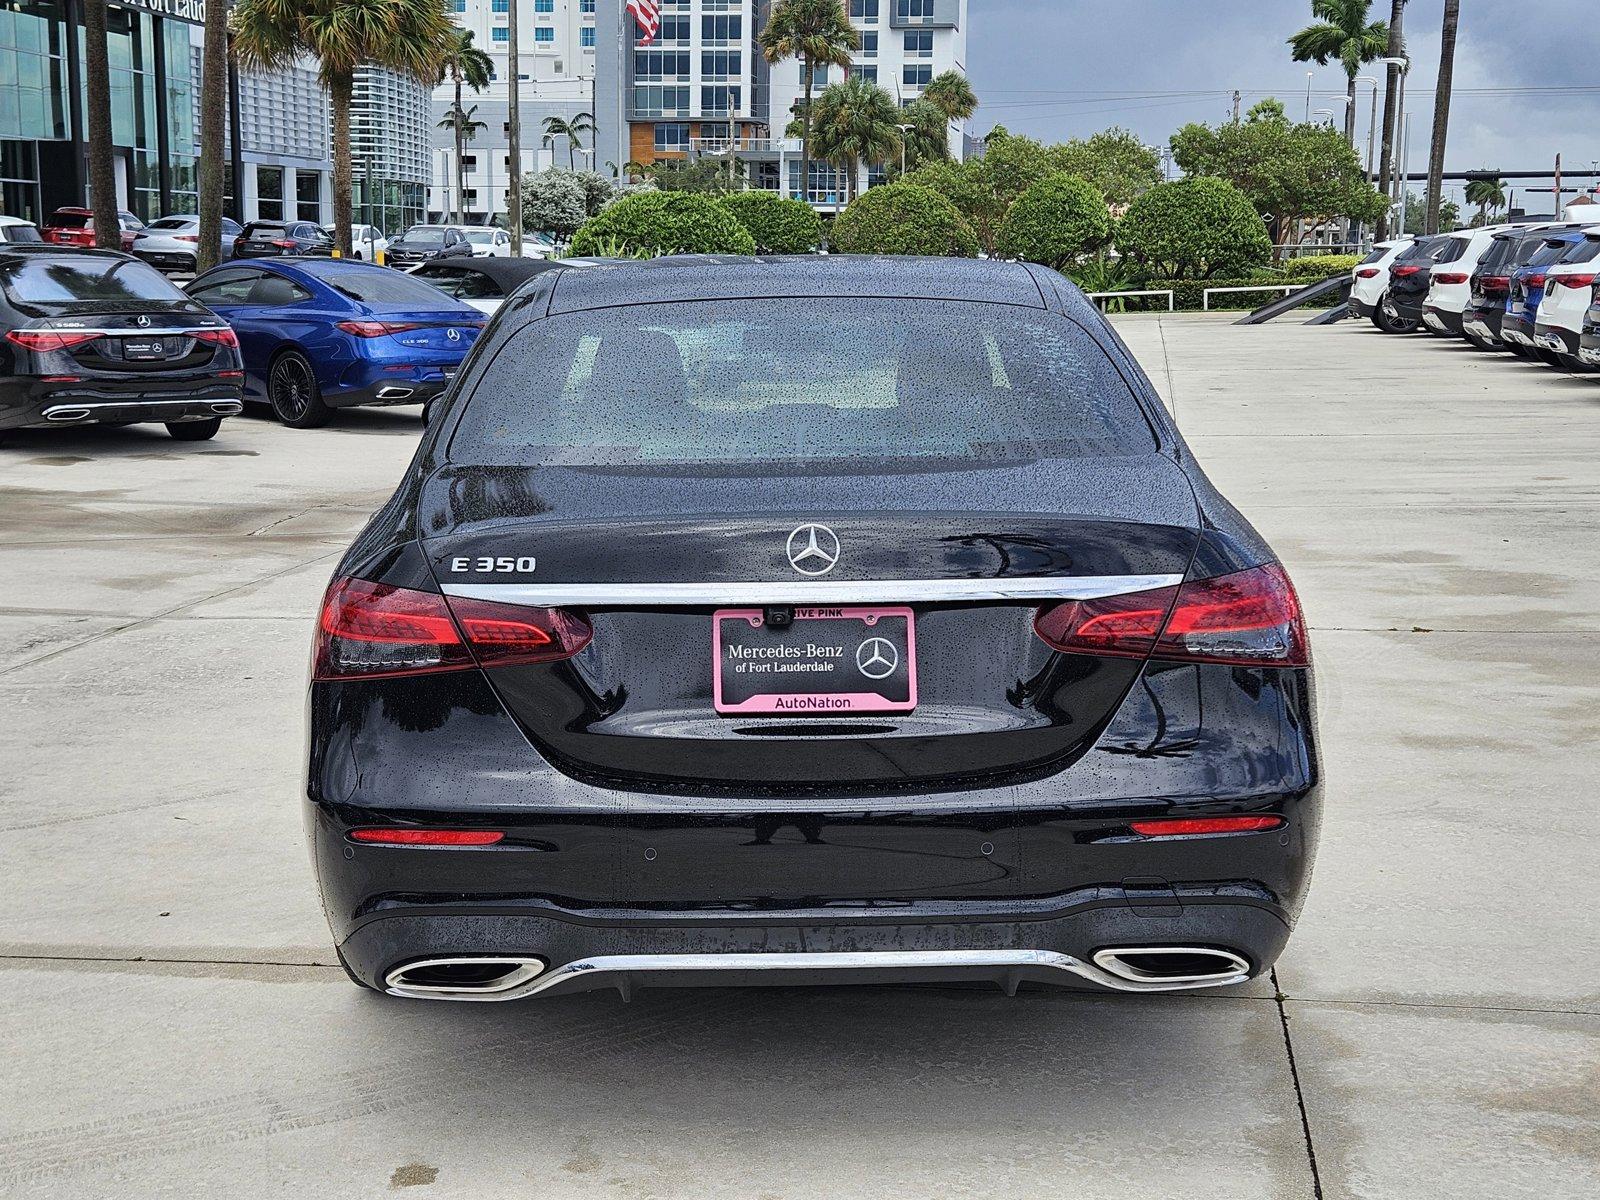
(427, 837)
(1189, 826)
(41, 341)
(1449, 277)
(1367, 273)
(1250, 616)
(372, 630)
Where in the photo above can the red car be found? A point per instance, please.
(75, 227)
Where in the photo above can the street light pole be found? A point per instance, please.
(1372, 126)
(904, 129)
(1309, 76)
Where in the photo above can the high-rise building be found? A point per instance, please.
(556, 43)
(390, 126)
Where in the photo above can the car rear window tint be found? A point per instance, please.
(791, 382)
(1450, 250)
(379, 285)
(1550, 253)
(1372, 256)
(62, 280)
(171, 223)
(1585, 251)
(66, 220)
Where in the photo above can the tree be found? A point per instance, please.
(1417, 214)
(553, 202)
(651, 223)
(97, 73)
(1289, 172)
(778, 224)
(213, 108)
(1487, 194)
(903, 218)
(634, 169)
(1441, 110)
(1056, 222)
(951, 93)
(465, 65)
(1391, 98)
(1342, 32)
(466, 127)
(983, 189)
(855, 122)
(704, 176)
(413, 37)
(819, 34)
(1196, 228)
(573, 130)
(928, 139)
(1120, 165)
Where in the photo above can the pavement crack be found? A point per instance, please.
(1299, 1095)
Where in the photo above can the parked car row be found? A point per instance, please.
(93, 336)
(1532, 289)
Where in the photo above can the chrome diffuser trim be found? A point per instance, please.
(523, 970)
(979, 962)
(1230, 967)
(809, 591)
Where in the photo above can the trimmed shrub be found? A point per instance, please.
(1056, 222)
(653, 223)
(1194, 229)
(778, 224)
(1312, 267)
(553, 202)
(902, 218)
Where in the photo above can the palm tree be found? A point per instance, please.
(559, 127)
(465, 65)
(102, 183)
(1342, 32)
(855, 122)
(1441, 110)
(410, 36)
(819, 34)
(634, 169)
(1487, 194)
(213, 108)
(1396, 49)
(466, 126)
(928, 139)
(951, 94)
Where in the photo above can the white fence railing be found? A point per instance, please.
(1172, 297)
(1285, 288)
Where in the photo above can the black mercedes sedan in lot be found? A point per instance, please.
(807, 620)
(98, 337)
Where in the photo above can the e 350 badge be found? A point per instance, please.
(494, 566)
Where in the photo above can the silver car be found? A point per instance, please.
(173, 243)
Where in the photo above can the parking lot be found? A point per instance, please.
(176, 1023)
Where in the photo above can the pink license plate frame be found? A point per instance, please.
(858, 699)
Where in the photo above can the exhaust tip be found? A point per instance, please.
(1173, 964)
(462, 978)
(65, 415)
(227, 408)
(393, 393)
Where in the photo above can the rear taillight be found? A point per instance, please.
(283, 243)
(372, 329)
(42, 340)
(1573, 281)
(1191, 826)
(1249, 616)
(185, 237)
(1406, 272)
(1367, 273)
(370, 630)
(1494, 285)
(407, 836)
(1449, 277)
(217, 337)
(1533, 281)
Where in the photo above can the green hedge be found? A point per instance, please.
(1313, 267)
(652, 223)
(903, 218)
(778, 224)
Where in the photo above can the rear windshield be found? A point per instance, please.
(428, 235)
(258, 229)
(482, 237)
(1376, 253)
(1527, 248)
(1450, 250)
(62, 281)
(1550, 253)
(379, 285)
(20, 233)
(784, 383)
(68, 220)
(171, 223)
(1585, 251)
(1498, 252)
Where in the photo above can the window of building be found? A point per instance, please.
(586, 36)
(308, 195)
(544, 6)
(869, 45)
(500, 6)
(721, 64)
(672, 137)
(863, 11)
(500, 34)
(655, 101)
(827, 183)
(720, 99)
(544, 35)
(721, 31)
(914, 10)
(461, 5)
(652, 65)
(919, 43)
(918, 74)
(865, 71)
(819, 76)
(586, 6)
(673, 30)
(269, 193)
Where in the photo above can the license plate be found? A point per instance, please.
(145, 349)
(827, 661)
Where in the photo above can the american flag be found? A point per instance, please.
(648, 14)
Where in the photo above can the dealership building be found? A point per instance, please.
(276, 128)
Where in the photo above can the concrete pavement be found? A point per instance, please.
(174, 1023)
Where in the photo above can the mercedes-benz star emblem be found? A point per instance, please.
(141, 321)
(876, 658)
(453, 334)
(813, 550)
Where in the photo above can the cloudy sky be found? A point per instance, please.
(1055, 69)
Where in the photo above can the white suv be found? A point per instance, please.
(1370, 278)
(489, 242)
(1569, 292)
(1450, 287)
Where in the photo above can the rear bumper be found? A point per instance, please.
(1516, 328)
(1442, 320)
(1361, 308)
(390, 389)
(1483, 324)
(1557, 338)
(26, 402)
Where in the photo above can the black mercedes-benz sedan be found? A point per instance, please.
(98, 337)
(807, 620)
